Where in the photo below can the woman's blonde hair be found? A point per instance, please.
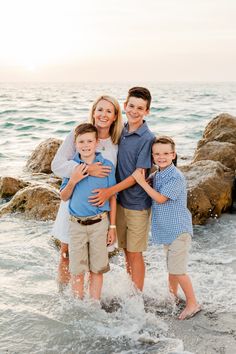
(117, 125)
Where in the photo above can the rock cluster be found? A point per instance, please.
(36, 202)
(210, 176)
(41, 158)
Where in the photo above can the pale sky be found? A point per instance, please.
(117, 40)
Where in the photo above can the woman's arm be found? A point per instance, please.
(62, 164)
(111, 235)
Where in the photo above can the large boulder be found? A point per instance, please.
(36, 202)
(10, 186)
(211, 174)
(41, 158)
(222, 128)
(223, 152)
(209, 189)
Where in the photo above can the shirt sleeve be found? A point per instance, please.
(111, 176)
(62, 164)
(144, 158)
(64, 183)
(173, 188)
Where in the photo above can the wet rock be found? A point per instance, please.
(9, 186)
(223, 152)
(209, 189)
(41, 158)
(36, 202)
(219, 141)
(222, 128)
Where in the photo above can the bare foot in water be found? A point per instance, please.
(189, 312)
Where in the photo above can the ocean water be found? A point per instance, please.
(34, 316)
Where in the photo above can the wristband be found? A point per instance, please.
(112, 226)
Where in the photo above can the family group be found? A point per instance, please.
(108, 193)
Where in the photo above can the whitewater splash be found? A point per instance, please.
(36, 318)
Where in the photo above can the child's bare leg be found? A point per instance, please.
(137, 268)
(63, 267)
(173, 285)
(192, 307)
(127, 264)
(77, 284)
(95, 286)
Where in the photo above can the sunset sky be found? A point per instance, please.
(117, 40)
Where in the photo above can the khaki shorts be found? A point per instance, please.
(132, 228)
(88, 247)
(177, 254)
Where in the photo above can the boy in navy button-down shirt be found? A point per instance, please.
(133, 209)
(171, 219)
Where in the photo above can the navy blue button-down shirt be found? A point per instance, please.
(172, 218)
(134, 152)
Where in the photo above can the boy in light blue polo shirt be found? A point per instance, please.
(171, 219)
(91, 227)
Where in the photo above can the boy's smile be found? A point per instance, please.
(86, 146)
(163, 155)
(136, 110)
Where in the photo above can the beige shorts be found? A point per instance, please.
(88, 247)
(132, 228)
(177, 254)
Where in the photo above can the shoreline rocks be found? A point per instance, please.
(10, 186)
(37, 202)
(41, 158)
(210, 176)
(209, 185)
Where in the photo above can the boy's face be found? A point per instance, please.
(162, 155)
(86, 144)
(136, 110)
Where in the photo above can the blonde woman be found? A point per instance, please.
(106, 115)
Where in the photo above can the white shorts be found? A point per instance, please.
(60, 228)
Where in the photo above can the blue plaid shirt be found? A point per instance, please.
(171, 218)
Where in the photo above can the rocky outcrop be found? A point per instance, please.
(9, 186)
(36, 202)
(41, 158)
(209, 189)
(223, 152)
(211, 174)
(219, 141)
(221, 128)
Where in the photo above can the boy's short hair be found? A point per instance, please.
(140, 92)
(85, 128)
(164, 140)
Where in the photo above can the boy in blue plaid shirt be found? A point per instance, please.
(171, 219)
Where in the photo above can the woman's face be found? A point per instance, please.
(104, 114)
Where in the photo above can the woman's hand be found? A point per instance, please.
(99, 170)
(111, 236)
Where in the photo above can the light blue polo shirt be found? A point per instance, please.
(134, 152)
(172, 218)
(78, 204)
